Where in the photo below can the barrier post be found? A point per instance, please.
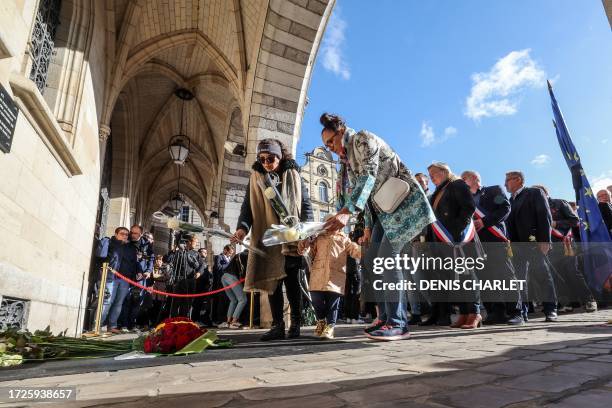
(101, 294)
(251, 310)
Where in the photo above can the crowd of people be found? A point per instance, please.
(383, 210)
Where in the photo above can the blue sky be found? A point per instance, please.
(464, 82)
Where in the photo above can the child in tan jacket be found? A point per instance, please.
(328, 252)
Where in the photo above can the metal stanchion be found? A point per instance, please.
(251, 310)
(101, 294)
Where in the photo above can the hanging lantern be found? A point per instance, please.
(176, 201)
(179, 148)
(180, 145)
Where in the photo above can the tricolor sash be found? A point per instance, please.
(495, 230)
(443, 235)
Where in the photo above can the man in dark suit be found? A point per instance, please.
(492, 209)
(573, 287)
(529, 225)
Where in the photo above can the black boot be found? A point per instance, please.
(444, 314)
(293, 332)
(294, 329)
(432, 320)
(277, 332)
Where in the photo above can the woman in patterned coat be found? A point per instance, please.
(367, 162)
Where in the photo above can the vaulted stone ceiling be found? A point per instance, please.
(211, 47)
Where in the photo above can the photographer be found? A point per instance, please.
(187, 267)
(140, 250)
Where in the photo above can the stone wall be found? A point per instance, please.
(50, 179)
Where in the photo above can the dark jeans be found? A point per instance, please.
(392, 304)
(180, 307)
(352, 306)
(498, 266)
(293, 265)
(200, 307)
(326, 305)
(533, 266)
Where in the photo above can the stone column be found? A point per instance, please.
(104, 133)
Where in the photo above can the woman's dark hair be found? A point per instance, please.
(286, 152)
(332, 122)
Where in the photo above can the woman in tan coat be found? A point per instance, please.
(328, 252)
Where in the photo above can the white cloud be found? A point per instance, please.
(429, 138)
(450, 131)
(602, 182)
(494, 93)
(541, 160)
(332, 47)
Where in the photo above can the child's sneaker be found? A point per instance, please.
(328, 332)
(319, 328)
(376, 324)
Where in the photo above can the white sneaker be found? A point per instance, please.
(235, 326)
(224, 325)
(591, 306)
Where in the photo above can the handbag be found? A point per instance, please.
(391, 194)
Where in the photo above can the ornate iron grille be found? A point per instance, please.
(13, 313)
(42, 41)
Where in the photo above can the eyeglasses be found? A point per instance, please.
(123, 233)
(266, 159)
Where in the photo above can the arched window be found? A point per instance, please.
(323, 192)
(43, 41)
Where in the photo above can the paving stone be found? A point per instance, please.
(460, 379)
(592, 368)
(546, 381)
(301, 377)
(371, 367)
(543, 347)
(586, 399)
(554, 356)
(607, 346)
(315, 401)
(605, 358)
(514, 367)
(584, 350)
(484, 396)
(406, 403)
(191, 387)
(260, 394)
(112, 389)
(431, 364)
(386, 392)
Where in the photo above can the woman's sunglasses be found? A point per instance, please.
(266, 159)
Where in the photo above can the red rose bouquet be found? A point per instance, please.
(172, 335)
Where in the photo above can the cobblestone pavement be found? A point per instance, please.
(564, 364)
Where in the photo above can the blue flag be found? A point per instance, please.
(596, 242)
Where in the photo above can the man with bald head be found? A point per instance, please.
(492, 209)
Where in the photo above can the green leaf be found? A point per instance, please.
(199, 344)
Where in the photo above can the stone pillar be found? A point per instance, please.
(104, 134)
